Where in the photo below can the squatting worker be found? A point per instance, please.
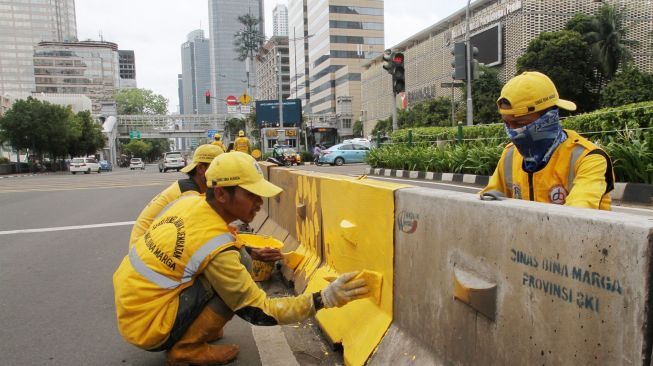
(195, 184)
(182, 281)
(544, 162)
(217, 140)
(241, 143)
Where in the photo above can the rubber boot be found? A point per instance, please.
(193, 349)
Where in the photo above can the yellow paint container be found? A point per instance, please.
(261, 271)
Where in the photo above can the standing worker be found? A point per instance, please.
(241, 143)
(544, 162)
(217, 141)
(183, 281)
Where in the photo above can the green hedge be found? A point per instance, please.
(622, 132)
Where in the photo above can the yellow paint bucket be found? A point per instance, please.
(261, 271)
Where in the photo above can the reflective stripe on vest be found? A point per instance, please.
(190, 269)
(575, 155)
(507, 168)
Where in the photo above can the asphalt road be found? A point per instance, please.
(61, 239)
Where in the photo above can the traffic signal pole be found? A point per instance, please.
(395, 127)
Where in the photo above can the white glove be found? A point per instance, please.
(344, 289)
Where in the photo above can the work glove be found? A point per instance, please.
(344, 289)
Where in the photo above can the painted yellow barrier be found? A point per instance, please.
(357, 217)
(261, 271)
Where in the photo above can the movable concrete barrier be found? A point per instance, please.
(265, 168)
(357, 219)
(517, 283)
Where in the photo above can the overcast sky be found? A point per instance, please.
(155, 30)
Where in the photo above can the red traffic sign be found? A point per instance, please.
(231, 100)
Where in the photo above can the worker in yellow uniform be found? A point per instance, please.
(544, 162)
(217, 141)
(241, 143)
(195, 184)
(182, 281)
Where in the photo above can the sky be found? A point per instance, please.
(155, 30)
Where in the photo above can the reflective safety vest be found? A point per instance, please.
(242, 144)
(158, 204)
(219, 144)
(163, 262)
(554, 183)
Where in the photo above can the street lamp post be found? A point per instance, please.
(470, 111)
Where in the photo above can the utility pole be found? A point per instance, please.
(470, 110)
(280, 89)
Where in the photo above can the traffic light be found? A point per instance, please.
(398, 76)
(475, 65)
(459, 62)
(207, 95)
(388, 65)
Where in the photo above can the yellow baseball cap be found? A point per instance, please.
(203, 154)
(531, 92)
(239, 169)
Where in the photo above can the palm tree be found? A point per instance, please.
(608, 40)
(248, 41)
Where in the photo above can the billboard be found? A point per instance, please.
(489, 44)
(267, 112)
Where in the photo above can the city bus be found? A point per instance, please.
(325, 136)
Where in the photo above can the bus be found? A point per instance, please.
(325, 136)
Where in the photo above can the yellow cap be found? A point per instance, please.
(531, 92)
(239, 169)
(241, 133)
(203, 154)
(217, 136)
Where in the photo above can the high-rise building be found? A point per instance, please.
(127, 62)
(195, 73)
(180, 93)
(23, 24)
(298, 52)
(343, 40)
(267, 64)
(89, 67)
(229, 76)
(280, 21)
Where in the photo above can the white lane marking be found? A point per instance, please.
(64, 228)
(471, 189)
(273, 347)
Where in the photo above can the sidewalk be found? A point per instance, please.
(625, 192)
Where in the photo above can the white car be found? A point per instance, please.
(84, 165)
(171, 161)
(136, 163)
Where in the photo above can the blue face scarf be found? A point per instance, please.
(537, 141)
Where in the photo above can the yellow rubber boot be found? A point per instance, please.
(193, 349)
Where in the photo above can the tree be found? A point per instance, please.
(383, 127)
(248, 41)
(485, 92)
(358, 129)
(565, 58)
(630, 85)
(140, 101)
(87, 138)
(232, 126)
(434, 112)
(608, 40)
(137, 148)
(158, 147)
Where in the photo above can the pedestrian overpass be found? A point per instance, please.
(159, 126)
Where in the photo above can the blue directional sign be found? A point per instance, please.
(211, 133)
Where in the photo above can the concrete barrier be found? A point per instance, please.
(517, 283)
(357, 219)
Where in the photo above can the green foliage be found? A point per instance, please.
(358, 129)
(232, 126)
(632, 157)
(87, 137)
(137, 148)
(4, 160)
(248, 41)
(383, 127)
(485, 92)
(566, 58)
(140, 101)
(434, 112)
(159, 146)
(628, 86)
(608, 41)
